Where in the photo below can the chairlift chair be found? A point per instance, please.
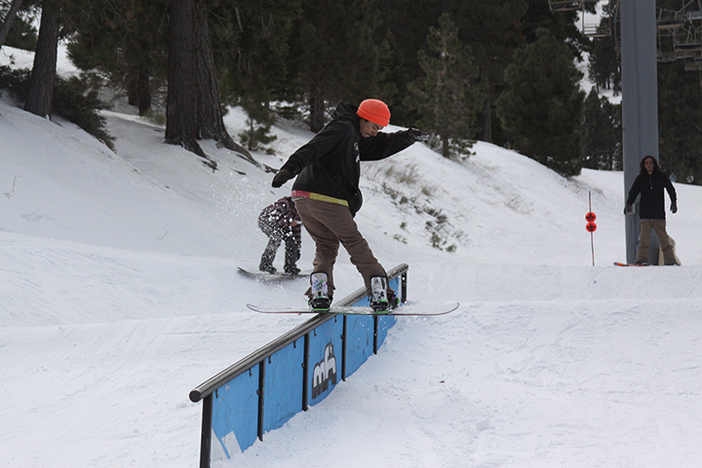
(564, 5)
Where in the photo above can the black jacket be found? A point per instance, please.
(651, 186)
(329, 164)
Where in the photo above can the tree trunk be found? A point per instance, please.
(181, 105)
(210, 124)
(138, 88)
(486, 130)
(316, 103)
(445, 147)
(7, 23)
(209, 114)
(41, 83)
(139, 80)
(144, 90)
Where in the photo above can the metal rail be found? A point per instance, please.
(210, 385)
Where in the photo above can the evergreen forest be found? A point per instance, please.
(503, 71)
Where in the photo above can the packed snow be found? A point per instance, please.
(120, 294)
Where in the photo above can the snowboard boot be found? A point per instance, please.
(382, 300)
(268, 268)
(319, 292)
(291, 269)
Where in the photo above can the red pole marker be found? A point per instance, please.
(591, 226)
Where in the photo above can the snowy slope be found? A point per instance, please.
(120, 294)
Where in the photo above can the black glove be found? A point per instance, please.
(281, 177)
(627, 209)
(674, 207)
(417, 135)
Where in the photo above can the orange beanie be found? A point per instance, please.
(374, 110)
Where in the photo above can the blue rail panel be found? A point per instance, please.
(359, 341)
(324, 370)
(267, 388)
(283, 385)
(235, 414)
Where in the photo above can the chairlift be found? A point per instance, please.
(669, 19)
(688, 42)
(670, 23)
(665, 43)
(692, 10)
(666, 56)
(593, 30)
(564, 5)
(687, 50)
(603, 29)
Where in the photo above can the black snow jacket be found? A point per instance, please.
(329, 164)
(650, 186)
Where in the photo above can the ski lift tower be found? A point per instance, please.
(639, 99)
(638, 34)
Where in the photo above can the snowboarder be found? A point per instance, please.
(650, 184)
(280, 221)
(327, 194)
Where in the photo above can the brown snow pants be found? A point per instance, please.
(657, 225)
(330, 224)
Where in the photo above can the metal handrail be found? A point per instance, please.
(228, 374)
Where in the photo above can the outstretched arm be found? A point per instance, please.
(384, 145)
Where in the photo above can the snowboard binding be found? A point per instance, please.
(382, 300)
(319, 300)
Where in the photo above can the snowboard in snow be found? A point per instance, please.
(628, 264)
(413, 308)
(272, 277)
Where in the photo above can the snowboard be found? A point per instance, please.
(628, 264)
(413, 308)
(272, 277)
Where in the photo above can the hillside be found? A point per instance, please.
(120, 294)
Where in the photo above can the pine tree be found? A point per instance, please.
(448, 97)
(192, 110)
(492, 30)
(41, 83)
(680, 121)
(493, 36)
(259, 122)
(391, 72)
(250, 45)
(8, 20)
(542, 106)
(250, 42)
(602, 133)
(126, 42)
(335, 57)
(603, 67)
(181, 107)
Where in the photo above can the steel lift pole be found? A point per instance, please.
(639, 102)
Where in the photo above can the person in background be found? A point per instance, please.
(280, 221)
(650, 184)
(327, 194)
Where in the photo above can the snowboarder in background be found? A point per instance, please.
(327, 194)
(280, 221)
(650, 184)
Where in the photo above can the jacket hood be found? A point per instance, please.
(346, 111)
